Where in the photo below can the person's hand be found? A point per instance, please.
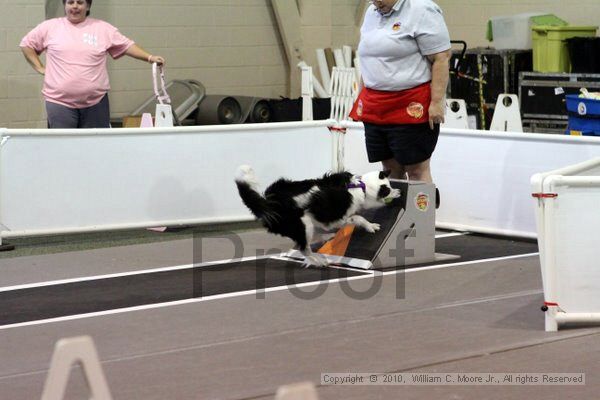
(437, 110)
(156, 59)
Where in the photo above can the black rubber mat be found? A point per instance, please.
(473, 247)
(60, 300)
(96, 295)
(477, 247)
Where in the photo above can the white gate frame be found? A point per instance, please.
(565, 294)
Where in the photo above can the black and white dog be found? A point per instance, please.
(297, 209)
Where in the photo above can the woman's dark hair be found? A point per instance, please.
(89, 3)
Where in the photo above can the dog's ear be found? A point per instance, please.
(385, 174)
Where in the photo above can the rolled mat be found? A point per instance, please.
(261, 112)
(254, 109)
(219, 110)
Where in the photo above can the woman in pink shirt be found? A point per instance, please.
(75, 75)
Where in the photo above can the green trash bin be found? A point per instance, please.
(550, 51)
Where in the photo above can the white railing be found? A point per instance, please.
(568, 219)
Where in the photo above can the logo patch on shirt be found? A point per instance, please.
(359, 108)
(396, 26)
(415, 110)
(90, 39)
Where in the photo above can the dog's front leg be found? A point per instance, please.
(310, 257)
(362, 222)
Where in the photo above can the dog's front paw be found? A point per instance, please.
(395, 193)
(372, 227)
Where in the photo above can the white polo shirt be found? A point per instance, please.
(393, 48)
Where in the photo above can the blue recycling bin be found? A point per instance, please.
(584, 116)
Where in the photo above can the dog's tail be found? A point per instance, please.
(247, 185)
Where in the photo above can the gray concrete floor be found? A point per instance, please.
(479, 317)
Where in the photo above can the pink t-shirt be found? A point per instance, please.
(76, 74)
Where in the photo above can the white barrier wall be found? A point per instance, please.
(483, 176)
(55, 181)
(568, 218)
(71, 181)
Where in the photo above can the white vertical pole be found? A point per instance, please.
(550, 292)
(324, 69)
(318, 88)
(349, 99)
(307, 93)
(550, 323)
(319, 91)
(344, 94)
(335, 141)
(347, 51)
(339, 58)
(2, 135)
(334, 93)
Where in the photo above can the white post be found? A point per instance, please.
(338, 54)
(307, 93)
(2, 140)
(347, 51)
(318, 88)
(324, 70)
(347, 93)
(333, 90)
(550, 323)
(352, 91)
(550, 292)
(337, 146)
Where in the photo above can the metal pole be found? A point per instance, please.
(481, 98)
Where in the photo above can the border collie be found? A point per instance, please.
(297, 209)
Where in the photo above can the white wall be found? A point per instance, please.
(231, 46)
